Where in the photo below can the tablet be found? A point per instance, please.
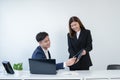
(8, 67)
(78, 55)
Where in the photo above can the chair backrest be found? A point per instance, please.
(113, 67)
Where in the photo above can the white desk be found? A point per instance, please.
(63, 74)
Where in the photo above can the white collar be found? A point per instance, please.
(44, 50)
(77, 34)
(46, 53)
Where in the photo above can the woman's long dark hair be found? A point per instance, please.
(75, 19)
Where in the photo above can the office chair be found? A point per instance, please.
(113, 67)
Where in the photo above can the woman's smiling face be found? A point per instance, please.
(75, 26)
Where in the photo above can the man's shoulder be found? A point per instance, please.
(38, 53)
(38, 49)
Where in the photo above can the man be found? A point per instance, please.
(41, 52)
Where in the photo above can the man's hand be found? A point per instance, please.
(70, 61)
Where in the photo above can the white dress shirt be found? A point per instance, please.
(46, 53)
(78, 34)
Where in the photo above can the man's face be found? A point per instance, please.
(45, 43)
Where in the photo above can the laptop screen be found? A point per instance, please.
(42, 66)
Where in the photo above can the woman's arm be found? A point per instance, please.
(70, 49)
(89, 42)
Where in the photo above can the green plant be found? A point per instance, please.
(18, 66)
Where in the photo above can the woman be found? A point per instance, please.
(79, 38)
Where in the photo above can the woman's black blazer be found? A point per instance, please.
(75, 45)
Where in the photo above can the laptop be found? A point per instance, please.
(42, 66)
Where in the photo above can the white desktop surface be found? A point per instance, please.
(65, 74)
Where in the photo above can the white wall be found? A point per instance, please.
(21, 20)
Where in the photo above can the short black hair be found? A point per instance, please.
(41, 35)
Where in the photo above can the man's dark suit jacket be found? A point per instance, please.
(39, 54)
(75, 45)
